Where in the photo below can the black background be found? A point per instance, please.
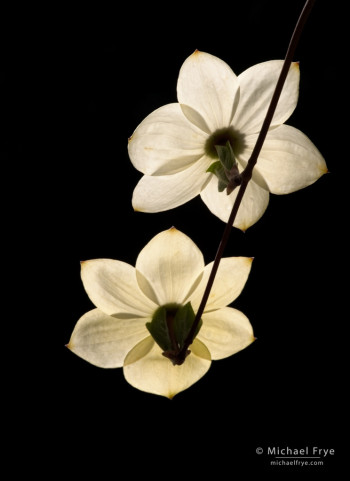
(79, 83)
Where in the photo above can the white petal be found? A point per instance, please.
(208, 85)
(288, 161)
(225, 332)
(195, 118)
(171, 262)
(253, 205)
(112, 286)
(257, 85)
(199, 349)
(155, 374)
(163, 192)
(230, 279)
(139, 350)
(165, 142)
(104, 340)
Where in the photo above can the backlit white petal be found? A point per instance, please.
(163, 192)
(200, 350)
(257, 85)
(195, 118)
(225, 332)
(139, 350)
(253, 205)
(165, 142)
(155, 374)
(288, 161)
(230, 279)
(208, 85)
(104, 340)
(112, 286)
(171, 262)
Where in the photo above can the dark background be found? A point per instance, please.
(79, 82)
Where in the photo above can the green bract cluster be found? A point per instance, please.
(226, 169)
(170, 326)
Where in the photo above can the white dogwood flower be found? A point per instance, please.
(169, 274)
(175, 145)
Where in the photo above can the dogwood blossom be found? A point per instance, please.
(169, 271)
(176, 144)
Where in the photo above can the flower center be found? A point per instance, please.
(170, 326)
(220, 137)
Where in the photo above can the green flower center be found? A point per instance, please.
(220, 137)
(170, 326)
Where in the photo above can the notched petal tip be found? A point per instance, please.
(130, 138)
(173, 229)
(296, 65)
(69, 345)
(135, 207)
(243, 226)
(196, 54)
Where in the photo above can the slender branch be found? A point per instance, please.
(248, 171)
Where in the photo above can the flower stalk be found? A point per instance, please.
(246, 175)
